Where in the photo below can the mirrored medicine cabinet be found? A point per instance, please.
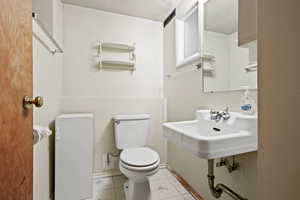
(207, 35)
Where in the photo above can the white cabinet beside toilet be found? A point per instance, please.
(74, 146)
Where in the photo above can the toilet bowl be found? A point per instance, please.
(138, 164)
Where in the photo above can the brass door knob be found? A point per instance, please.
(29, 101)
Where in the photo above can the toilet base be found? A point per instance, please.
(137, 190)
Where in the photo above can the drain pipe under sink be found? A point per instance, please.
(220, 188)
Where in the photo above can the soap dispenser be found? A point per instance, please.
(247, 103)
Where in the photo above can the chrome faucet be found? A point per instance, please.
(218, 115)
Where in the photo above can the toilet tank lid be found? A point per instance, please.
(131, 117)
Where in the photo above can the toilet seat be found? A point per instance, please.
(140, 169)
(139, 159)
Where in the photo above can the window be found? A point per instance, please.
(188, 37)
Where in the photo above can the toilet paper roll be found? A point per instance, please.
(40, 132)
(37, 137)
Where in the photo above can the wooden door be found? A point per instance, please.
(279, 100)
(15, 82)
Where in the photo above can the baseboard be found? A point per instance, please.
(106, 173)
(187, 186)
(115, 172)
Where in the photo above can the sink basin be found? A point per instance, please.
(209, 139)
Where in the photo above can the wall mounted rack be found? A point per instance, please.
(251, 67)
(44, 37)
(113, 64)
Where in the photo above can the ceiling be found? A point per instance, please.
(157, 10)
(221, 16)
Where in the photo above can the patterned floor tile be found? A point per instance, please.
(119, 181)
(188, 197)
(105, 194)
(164, 186)
(162, 189)
(120, 194)
(104, 183)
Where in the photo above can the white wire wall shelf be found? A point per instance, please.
(117, 46)
(251, 67)
(115, 64)
(208, 57)
(208, 69)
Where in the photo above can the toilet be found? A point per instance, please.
(137, 162)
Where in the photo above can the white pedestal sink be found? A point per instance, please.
(209, 139)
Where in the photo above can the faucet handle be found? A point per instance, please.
(212, 111)
(226, 114)
(213, 114)
(226, 109)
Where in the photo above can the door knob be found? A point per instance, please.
(29, 101)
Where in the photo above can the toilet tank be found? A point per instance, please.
(131, 130)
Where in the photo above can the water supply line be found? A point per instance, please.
(109, 154)
(220, 188)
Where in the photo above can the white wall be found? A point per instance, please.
(106, 93)
(216, 44)
(184, 96)
(47, 82)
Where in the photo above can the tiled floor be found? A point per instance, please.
(164, 186)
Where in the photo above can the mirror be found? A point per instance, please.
(226, 66)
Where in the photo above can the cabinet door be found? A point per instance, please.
(247, 21)
(74, 148)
